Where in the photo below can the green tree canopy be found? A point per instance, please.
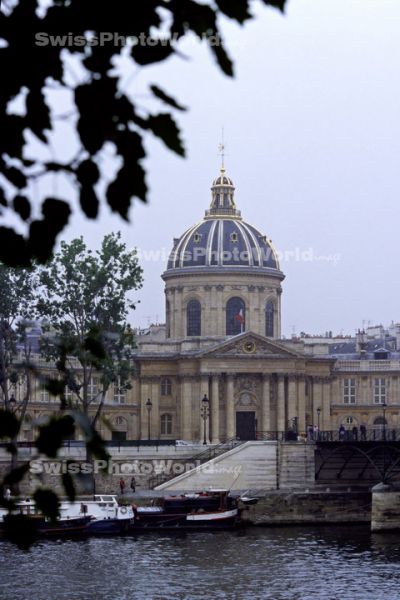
(85, 298)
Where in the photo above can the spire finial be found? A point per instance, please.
(221, 148)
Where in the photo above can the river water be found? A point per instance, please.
(277, 563)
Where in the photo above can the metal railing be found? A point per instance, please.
(387, 434)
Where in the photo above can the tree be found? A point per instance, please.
(38, 54)
(84, 300)
(17, 288)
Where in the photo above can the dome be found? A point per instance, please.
(222, 238)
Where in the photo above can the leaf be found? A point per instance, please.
(98, 109)
(42, 234)
(280, 4)
(9, 424)
(238, 10)
(37, 113)
(47, 502)
(94, 443)
(20, 530)
(87, 173)
(128, 183)
(146, 55)
(69, 486)
(16, 475)
(157, 91)
(130, 180)
(96, 447)
(16, 176)
(52, 434)
(13, 248)
(3, 200)
(89, 202)
(94, 344)
(22, 207)
(54, 386)
(222, 58)
(164, 127)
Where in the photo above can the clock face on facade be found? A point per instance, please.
(249, 347)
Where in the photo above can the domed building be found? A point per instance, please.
(219, 369)
(223, 275)
(220, 342)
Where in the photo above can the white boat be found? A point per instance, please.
(106, 514)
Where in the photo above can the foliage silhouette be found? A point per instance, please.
(103, 112)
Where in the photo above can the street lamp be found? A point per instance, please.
(318, 421)
(149, 406)
(205, 403)
(384, 405)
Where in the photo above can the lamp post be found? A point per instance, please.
(205, 403)
(318, 421)
(149, 406)
(384, 405)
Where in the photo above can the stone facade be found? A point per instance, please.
(223, 287)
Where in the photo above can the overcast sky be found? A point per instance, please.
(313, 141)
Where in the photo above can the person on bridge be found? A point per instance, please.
(342, 433)
(363, 432)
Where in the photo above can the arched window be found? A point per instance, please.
(120, 422)
(193, 318)
(235, 316)
(166, 424)
(166, 387)
(380, 421)
(269, 319)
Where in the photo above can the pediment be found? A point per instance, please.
(251, 344)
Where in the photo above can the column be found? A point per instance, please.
(292, 400)
(326, 405)
(230, 407)
(180, 319)
(155, 409)
(215, 409)
(186, 409)
(266, 424)
(204, 390)
(280, 408)
(144, 395)
(301, 395)
(317, 400)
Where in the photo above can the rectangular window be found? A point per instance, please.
(93, 389)
(119, 393)
(349, 391)
(166, 424)
(379, 390)
(44, 394)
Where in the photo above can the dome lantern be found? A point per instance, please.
(222, 197)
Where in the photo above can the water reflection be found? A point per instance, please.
(277, 563)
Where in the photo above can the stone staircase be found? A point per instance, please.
(296, 465)
(251, 465)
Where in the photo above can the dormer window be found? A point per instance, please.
(234, 237)
(197, 238)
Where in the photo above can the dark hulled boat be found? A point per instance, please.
(214, 509)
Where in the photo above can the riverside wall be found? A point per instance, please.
(310, 507)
